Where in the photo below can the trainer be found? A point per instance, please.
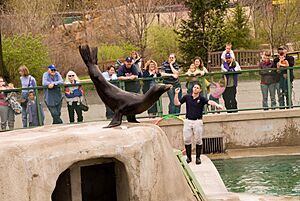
(193, 123)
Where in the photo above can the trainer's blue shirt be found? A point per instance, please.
(194, 107)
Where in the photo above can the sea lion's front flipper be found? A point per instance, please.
(131, 118)
(116, 121)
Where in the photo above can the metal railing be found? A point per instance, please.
(161, 104)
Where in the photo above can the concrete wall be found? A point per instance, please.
(244, 129)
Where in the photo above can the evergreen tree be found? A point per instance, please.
(239, 33)
(204, 30)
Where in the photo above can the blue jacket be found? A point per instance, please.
(52, 96)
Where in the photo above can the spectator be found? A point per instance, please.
(33, 111)
(129, 73)
(191, 78)
(202, 71)
(170, 73)
(227, 50)
(268, 81)
(137, 62)
(14, 107)
(193, 124)
(53, 97)
(200, 66)
(110, 75)
(229, 94)
(73, 97)
(289, 61)
(219, 90)
(151, 71)
(4, 108)
(27, 81)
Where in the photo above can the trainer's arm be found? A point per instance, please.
(213, 103)
(176, 100)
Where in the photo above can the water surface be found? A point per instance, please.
(274, 175)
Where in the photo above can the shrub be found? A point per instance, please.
(113, 52)
(28, 50)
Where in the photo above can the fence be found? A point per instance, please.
(248, 59)
(248, 97)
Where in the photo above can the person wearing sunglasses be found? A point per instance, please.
(73, 97)
(52, 95)
(170, 72)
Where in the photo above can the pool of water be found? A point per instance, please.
(275, 175)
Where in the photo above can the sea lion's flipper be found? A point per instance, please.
(131, 118)
(89, 55)
(116, 121)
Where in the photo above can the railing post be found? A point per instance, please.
(39, 109)
(289, 85)
(122, 84)
(203, 90)
(159, 106)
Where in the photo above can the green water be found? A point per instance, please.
(276, 175)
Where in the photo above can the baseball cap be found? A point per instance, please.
(52, 67)
(227, 55)
(282, 47)
(128, 59)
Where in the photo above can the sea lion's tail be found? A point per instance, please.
(89, 55)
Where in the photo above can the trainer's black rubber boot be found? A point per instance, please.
(198, 153)
(188, 150)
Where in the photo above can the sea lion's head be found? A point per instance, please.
(160, 88)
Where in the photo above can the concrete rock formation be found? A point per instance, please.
(135, 163)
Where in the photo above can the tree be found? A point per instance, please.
(132, 19)
(277, 24)
(239, 33)
(204, 30)
(3, 70)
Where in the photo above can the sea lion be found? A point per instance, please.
(118, 100)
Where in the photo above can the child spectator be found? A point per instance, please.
(74, 97)
(283, 63)
(191, 78)
(110, 75)
(32, 111)
(13, 107)
(219, 90)
(227, 51)
(151, 71)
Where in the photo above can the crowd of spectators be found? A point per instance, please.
(273, 80)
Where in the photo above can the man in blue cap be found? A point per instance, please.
(53, 96)
(229, 95)
(129, 73)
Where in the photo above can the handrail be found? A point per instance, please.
(159, 79)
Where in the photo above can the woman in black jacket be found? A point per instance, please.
(151, 71)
